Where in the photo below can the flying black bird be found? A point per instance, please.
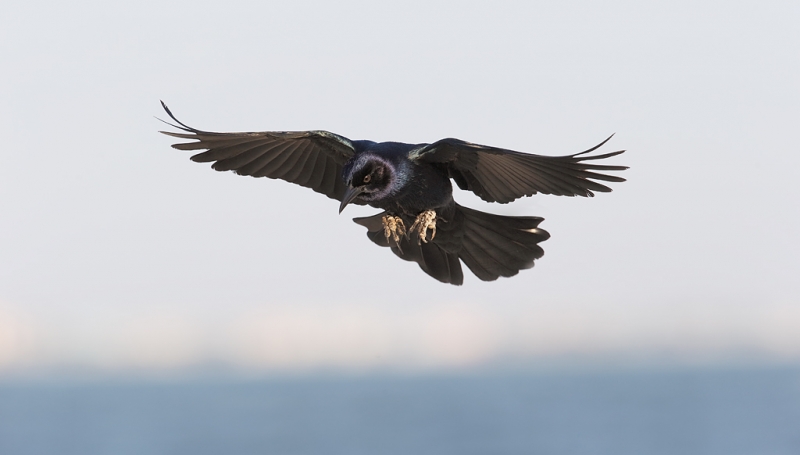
(420, 221)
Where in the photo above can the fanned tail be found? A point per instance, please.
(497, 245)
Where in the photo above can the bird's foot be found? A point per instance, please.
(393, 228)
(425, 220)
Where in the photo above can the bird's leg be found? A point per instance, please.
(393, 228)
(425, 220)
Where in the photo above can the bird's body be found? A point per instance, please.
(411, 183)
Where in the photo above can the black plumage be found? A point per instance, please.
(420, 221)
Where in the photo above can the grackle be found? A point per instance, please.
(420, 221)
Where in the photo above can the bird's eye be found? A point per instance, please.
(367, 178)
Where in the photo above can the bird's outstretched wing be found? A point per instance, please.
(500, 175)
(312, 159)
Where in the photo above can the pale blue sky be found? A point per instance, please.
(117, 251)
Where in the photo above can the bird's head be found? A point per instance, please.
(368, 177)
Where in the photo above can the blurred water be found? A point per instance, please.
(656, 412)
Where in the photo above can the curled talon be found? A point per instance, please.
(393, 228)
(425, 220)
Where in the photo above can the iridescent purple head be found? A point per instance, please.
(370, 177)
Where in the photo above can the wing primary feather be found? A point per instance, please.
(317, 172)
(288, 164)
(533, 180)
(254, 167)
(600, 157)
(491, 186)
(274, 166)
(182, 125)
(310, 165)
(234, 158)
(521, 182)
(328, 184)
(218, 154)
(595, 147)
(578, 168)
(211, 145)
(547, 184)
(577, 177)
(568, 185)
(298, 168)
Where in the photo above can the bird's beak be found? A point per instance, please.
(350, 194)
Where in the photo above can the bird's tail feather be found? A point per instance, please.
(490, 245)
(498, 245)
